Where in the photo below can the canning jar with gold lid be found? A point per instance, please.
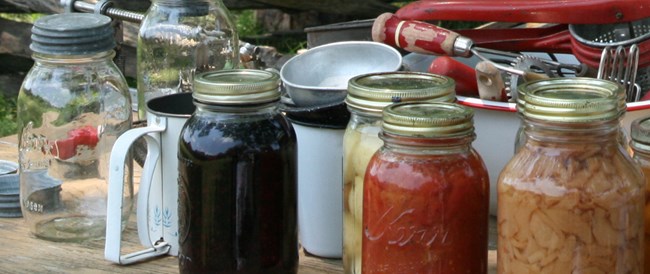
(579, 81)
(367, 95)
(426, 193)
(237, 177)
(571, 199)
(640, 146)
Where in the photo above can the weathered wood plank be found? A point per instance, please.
(15, 38)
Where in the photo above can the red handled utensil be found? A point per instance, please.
(79, 139)
(425, 38)
(464, 75)
(578, 27)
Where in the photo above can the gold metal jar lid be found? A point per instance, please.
(428, 119)
(572, 100)
(237, 87)
(372, 92)
(521, 102)
(640, 129)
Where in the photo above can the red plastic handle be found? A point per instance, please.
(67, 148)
(464, 75)
(413, 36)
(538, 11)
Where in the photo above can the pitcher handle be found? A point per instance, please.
(114, 208)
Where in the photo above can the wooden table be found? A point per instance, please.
(20, 252)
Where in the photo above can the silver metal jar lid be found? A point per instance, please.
(72, 34)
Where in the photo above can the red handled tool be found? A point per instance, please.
(464, 75)
(77, 139)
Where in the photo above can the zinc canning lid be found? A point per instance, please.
(374, 91)
(72, 34)
(640, 130)
(428, 119)
(238, 86)
(572, 100)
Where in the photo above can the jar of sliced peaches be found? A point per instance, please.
(571, 199)
(640, 145)
(367, 95)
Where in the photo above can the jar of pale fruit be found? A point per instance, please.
(571, 200)
(641, 154)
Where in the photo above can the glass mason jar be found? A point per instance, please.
(237, 178)
(640, 146)
(426, 194)
(571, 200)
(72, 106)
(181, 38)
(368, 94)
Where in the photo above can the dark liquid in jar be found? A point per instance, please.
(237, 196)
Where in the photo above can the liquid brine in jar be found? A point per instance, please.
(641, 154)
(237, 178)
(571, 200)
(426, 194)
(368, 94)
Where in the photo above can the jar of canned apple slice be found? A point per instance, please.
(571, 200)
(640, 145)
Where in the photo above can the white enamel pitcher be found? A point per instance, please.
(157, 205)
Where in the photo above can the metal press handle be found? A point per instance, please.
(104, 7)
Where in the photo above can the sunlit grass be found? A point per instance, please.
(22, 17)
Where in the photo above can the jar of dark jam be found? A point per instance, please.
(237, 165)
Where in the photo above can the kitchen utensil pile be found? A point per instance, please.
(607, 36)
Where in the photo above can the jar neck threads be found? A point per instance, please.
(427, 146)
(73, 59)
(595, 132)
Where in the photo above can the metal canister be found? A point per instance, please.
(368, 94)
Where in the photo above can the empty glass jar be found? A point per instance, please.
(181, 38)
(72, 106)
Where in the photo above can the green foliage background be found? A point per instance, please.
(247, 26)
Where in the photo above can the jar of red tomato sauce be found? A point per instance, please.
(426, 194)
(368, 94)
